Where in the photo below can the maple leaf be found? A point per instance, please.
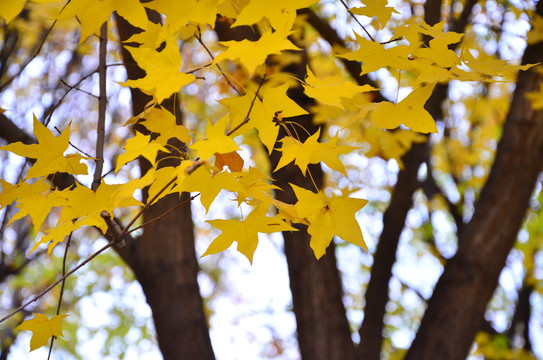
(216, 140)
(162, 122)
(245, 232)
(409, 112)
(150, 38)
(164, 175)
(312, 152)
(163, 75)
(238, 107)
(274, 101)
(232, 160)
(253, 53)
(279, 12)
(139, 145)
(328, 217)
(10, 9)
(255, 184)
(48, 153)
(86, 205)
(180, 13)
(377, 8)
(92, 14)
(56, 235)
(289, 212)
(438, 35)
(331, 90)
(35, 200)
(42, 329)
(439, 51)
(492, 67)
(202, 180)
(375, 56)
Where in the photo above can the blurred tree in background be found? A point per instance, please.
(409, 105)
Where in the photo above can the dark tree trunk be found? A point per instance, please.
(164, 260)
(458, 303)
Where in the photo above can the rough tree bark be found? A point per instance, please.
(457, 306)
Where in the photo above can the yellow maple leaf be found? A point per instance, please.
(375, 56)
(10, 9)
(86, 205)
(274, 101)
(238, 107)
(163, 76)
(216, 140)
(312, 152)
(328, 217)
(279, 12)
(48, 153)
(439, 51)
(35, 200)
(253, 53)
(180, 13)
(139, 145)
(289, 212)
(331, 90)
(162, 122)
(208, 185)
(150, 38)
(491, 67)
(255, 184)
(245, 232)
(92, 13)
(42, 329)
(377, 8)
(409, 112)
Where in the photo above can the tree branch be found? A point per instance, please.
(102, 102)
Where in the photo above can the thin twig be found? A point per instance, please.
(199, 38)
(358, 22)
(70, 88)
(399, 38)
(61, 289)
(72, 145)
(22, 68)
(247, 117)
(78, 89)
(102, 102)
(198, 69)
(164, 214)
(47, 289)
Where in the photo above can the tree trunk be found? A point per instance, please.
(164, 260)
(458, 303)
(317, 293)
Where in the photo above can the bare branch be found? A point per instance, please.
(102, 102)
